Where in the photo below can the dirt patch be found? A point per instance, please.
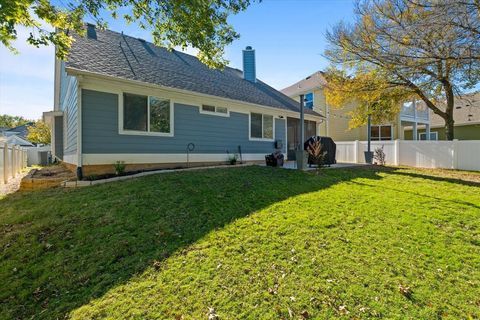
(13, 184)
(46, 177)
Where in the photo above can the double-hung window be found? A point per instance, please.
(261, 126)
(381, 132)
(308, 99)
(146, 114)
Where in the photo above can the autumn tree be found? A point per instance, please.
(419, 47)
(8, 121)
(201, 24)
(39, 133)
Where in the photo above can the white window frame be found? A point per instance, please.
(313, 100)
(121, 130)
(216, 113)
(431, 132)
(250, 127)
(380, 132)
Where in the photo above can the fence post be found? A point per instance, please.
(5, 163)
(396, 161)
(16, 160)
(356, 147)
(455, 153)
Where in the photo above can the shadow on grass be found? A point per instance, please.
(62, 248)
(439, 178)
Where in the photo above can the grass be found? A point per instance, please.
(252, 243)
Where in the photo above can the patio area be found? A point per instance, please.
(293, 165)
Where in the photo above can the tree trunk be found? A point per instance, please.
(449, 121)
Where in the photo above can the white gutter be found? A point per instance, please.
(77, 72)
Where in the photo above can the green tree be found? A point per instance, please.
(39, 133)
(201, 24)
(7, 121)
(429, 48)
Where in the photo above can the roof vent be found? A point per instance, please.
(91, 32)
(249, 69)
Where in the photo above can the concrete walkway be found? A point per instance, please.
(293, 165)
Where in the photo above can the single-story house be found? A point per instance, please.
(17, 135)
(120, 98)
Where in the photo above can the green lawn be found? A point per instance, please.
(252, 243)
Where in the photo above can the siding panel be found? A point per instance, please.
(68, 104)
(210, 134)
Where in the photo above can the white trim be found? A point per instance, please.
(103, 83)
(56, 87)
(121, 130)
(79, 125)
(70, 158)
(250, 128)
(143, 158)
(441, 126)
(213, 113)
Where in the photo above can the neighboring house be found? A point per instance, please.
(336, 124)
(119, 98)
(17, 135)
(17, 140)
(466, 115)
(20, 131)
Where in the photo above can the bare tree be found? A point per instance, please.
(428, 47)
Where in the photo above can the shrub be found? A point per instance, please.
(119, 168)
(316, 153)
(233, 159)
(379, 156)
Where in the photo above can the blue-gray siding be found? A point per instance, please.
(209, 133)
(59, 137)
(69, 105)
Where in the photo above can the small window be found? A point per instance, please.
(222, 110)
(261, 126)
(146, 114)
(208, 108)
(309, 100)
(423, 136)
(214, 110)
(381, 133)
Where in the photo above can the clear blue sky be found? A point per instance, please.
(288, 36)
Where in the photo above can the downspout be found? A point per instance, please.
(79, 131)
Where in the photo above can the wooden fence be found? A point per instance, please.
(12, 160)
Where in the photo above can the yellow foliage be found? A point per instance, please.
(39, 133)
(368, 91)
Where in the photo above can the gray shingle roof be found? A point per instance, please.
(118, 55)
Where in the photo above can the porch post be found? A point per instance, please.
(415, 132)
(427, 131)
(302, 123)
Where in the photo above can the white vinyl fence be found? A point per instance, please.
(34, 155)
(12, 160)
(456, 154)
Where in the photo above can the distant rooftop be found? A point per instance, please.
(313, 81)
